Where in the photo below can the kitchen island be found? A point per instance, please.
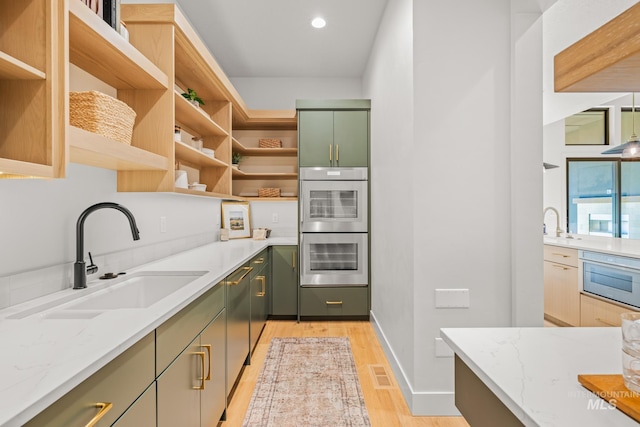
(532, 373)
(44, 357)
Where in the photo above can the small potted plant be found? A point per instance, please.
(191, 96)
(235, 159)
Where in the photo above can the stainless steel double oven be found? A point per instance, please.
(334, 236)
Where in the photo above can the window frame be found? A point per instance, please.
(606, 128)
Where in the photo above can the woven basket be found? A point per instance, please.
(268, 192)
(269, 143)
(102, 114)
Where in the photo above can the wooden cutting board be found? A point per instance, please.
(612, 389)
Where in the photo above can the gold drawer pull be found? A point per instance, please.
(333, 302)
(337, 153)
(559, 266)
(605, 322)
(247, 271)
(330, 148)
(208, 347)
(104, 408)
(562, 255)
(263, 292)
(259, 261)
(201, 354)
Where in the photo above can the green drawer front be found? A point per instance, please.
(259, 262)
(342, 301)
(120, 383)
(176, 333)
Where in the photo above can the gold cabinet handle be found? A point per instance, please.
(104, 408)
(559, 266)
(264, 290)
(293, 260)
(208, 347)
(337, 153)
(259, 261)
(605, 322)
(562, 255)
(201, 386)
(330, 152)
(247, 270)
(333, 302)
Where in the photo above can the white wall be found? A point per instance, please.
(389, 83)
(281, 93)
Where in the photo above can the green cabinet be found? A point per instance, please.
(143, 411)
(238, 315)
(260, 278)
(345, 301)
(284, 283)
(333, 134)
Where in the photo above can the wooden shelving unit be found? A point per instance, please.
(32, 89)
(195, 119)
(195, 157)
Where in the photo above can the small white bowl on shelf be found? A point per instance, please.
(198, 187)
(208, 152)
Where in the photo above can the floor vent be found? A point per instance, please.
(381, 378)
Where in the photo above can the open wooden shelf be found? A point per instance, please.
(237, 146)
(246, 119)
(95, 150)
(606, 60)
(207, 194)
(17, 169)
(195, 157)
(270, 199)
(13, 69)
(99, 50)
(195, 119)
(238, 174)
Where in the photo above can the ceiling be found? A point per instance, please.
(274, 38)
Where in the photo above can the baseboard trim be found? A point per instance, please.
(440, 403)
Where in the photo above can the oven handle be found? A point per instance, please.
(613, 266)
(301, 251)
(301, 202)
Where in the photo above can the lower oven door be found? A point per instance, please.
(334, 259)
(614, 282)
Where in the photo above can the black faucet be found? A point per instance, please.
(79, 269)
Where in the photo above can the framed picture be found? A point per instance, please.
(236, 217)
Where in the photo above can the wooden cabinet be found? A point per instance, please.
(350, 302)
(561, 288)
(117, 385)
(266, 167)
(597, 312)
(238, 316)
(284, 283)
(260, 294)
(333, 133)
(32, 88)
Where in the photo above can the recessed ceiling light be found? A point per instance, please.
(318, 22)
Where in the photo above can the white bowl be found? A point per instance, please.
(209, 152)
(198, 187)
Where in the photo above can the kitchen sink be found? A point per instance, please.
(137, 290)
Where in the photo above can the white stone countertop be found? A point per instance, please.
(610, 245)
(44, 358)
(534, 371)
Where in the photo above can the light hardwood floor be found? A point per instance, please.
(386, 406)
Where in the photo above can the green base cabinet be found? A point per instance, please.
(351, 302)
(284, 284)
(238, 317)
(260, 294)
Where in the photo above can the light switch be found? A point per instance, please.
(452, 298)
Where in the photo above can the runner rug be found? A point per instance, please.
(308, 382)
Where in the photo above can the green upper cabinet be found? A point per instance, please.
(333, 133)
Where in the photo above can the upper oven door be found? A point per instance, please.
(333, 206)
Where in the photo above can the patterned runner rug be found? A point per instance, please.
(308, 382)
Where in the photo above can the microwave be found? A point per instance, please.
(610, 276)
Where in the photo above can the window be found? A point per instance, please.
(590, 127)
(627, 123)
(603, 197)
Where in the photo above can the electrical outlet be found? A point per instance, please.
(163, 224)
(274, 218)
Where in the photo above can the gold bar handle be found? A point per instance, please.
(330, 152)
(559, 266)
(259, 261)
(337, 153)
(605, 322)
(247, 271)
(264, 290)
(333, 302)
(104, 408)
(201, 354)
(293, 260)
(562, 255)
(208, 347)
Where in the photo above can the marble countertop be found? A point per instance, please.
(534, 371)
(610, 245)
(44, 358)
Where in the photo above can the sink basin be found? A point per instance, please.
(136, 290)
